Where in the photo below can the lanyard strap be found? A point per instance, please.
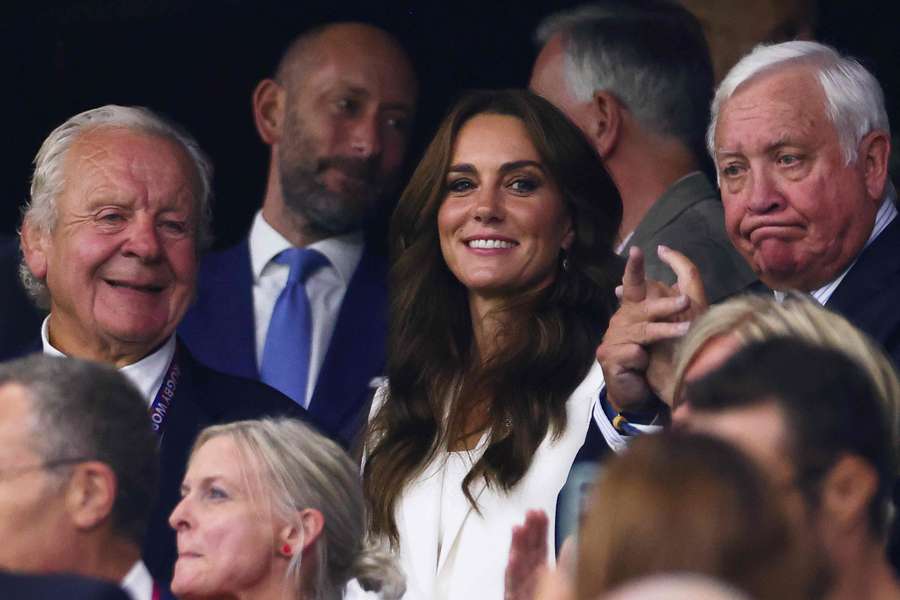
(159, 408)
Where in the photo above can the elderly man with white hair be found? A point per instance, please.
(118, 214)
(801, 140)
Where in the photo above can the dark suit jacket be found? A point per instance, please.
(51, 587)
(220, 330)
(689, 218)
(869, 295)
(19, 318)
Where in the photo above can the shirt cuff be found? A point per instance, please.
(617, 437)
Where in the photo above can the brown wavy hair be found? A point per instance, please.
(548, 338)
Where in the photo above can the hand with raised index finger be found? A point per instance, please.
(642, 320)
(662, 356)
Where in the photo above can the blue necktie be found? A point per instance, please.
(285, 363)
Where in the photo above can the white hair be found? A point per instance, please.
(49, 179)
(304, 469)
(854, 101)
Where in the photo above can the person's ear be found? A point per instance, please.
(847, 491)
(35, 243)
(90, 494)
(568, 235)
(269, 99)
(303, 533)
(605, 123)
(874, 155)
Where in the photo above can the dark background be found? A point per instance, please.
(198, 61)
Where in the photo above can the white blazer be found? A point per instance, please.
(451, 552)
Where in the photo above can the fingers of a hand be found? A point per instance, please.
(536, 522)
(652, 333)
(656, 309)
(657, 289)
(686, 272)
(634, 288)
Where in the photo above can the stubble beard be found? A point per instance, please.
(324, 212)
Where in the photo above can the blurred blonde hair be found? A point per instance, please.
(753, 318)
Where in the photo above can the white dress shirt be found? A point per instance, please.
(146, 374)
(138, 583)
(325, 288)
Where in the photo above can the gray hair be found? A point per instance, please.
(651, 54)
(49, 178)
(81, 410)
(304, 469)
(854, 101)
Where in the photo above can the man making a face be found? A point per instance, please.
(304, 296)
(801, 141)
(119, 211)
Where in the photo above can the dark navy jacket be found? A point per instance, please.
(220, 331)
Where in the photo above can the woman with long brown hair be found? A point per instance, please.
(502, 286)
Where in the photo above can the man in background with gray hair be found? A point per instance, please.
(636, 78)
(119, 212)
(78, 472)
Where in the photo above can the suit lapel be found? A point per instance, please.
(454, 520)
(220, 329)
(876, 267)
(356, 350)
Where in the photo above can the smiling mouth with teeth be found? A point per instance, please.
(153, 289)
(488, 244)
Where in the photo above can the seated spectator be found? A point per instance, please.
(718, 334)
(814, 420)
(503, 275)
(270, 510)
(79, 472)
(686, 503)
(118, 215)
(818, 215)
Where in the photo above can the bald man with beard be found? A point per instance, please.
(336, 116)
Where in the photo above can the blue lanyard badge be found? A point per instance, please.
(159, 409)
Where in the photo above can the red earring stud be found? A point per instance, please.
(286, 550)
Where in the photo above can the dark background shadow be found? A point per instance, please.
(198, 61)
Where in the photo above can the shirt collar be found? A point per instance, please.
(887, 212)
(343, 251)
(138, 582)
(146, 374)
